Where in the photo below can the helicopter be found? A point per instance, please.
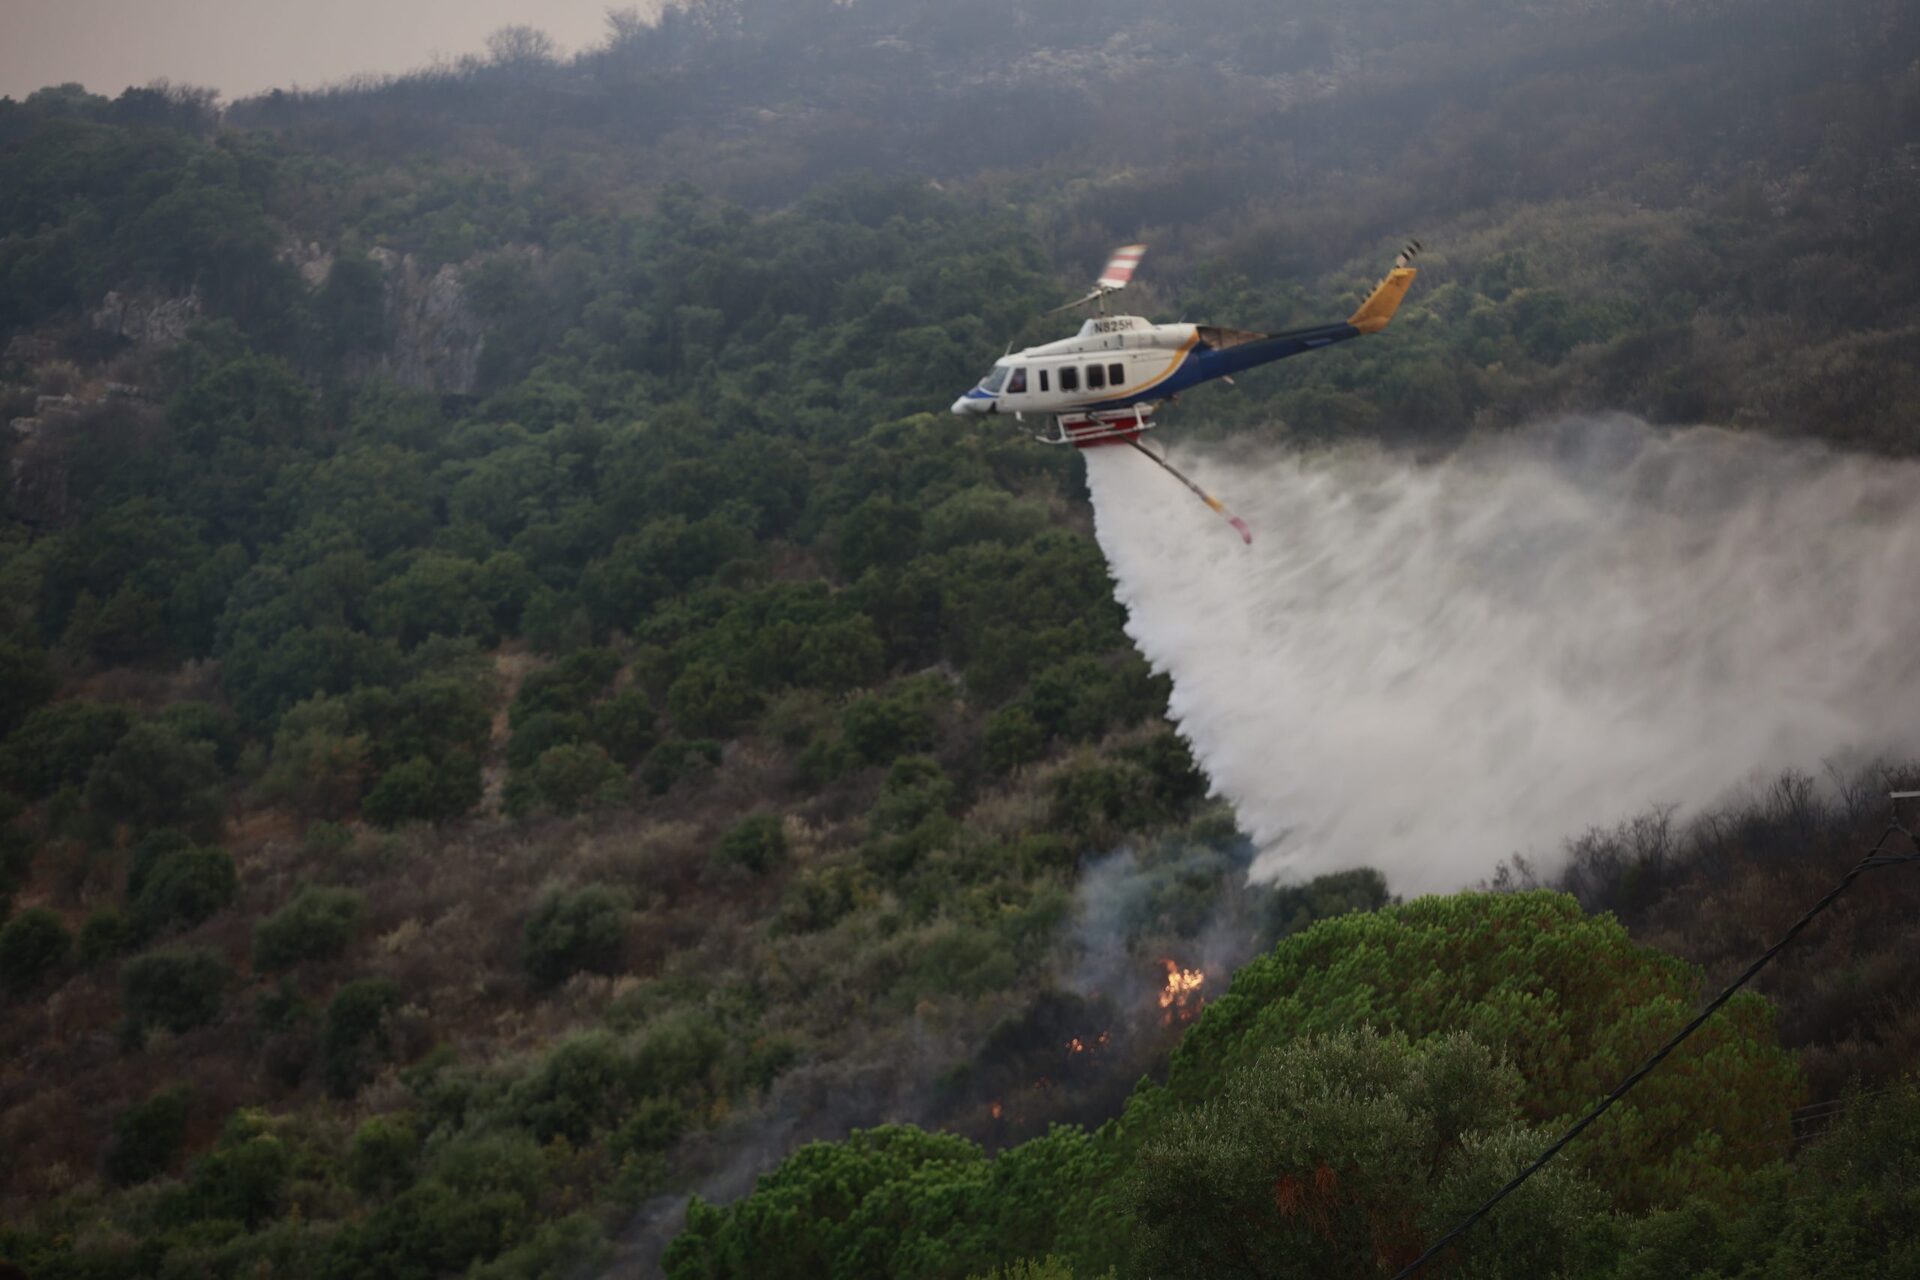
(1102, 386)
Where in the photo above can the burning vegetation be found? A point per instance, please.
(1180, 998)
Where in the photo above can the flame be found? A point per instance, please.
(1181, 996)
(1076, 1045)
(993, 1109)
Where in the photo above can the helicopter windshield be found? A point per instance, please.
(994, 380)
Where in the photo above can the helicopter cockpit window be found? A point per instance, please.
(995, 380)
(1017, 385)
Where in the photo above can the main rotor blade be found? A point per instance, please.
(1077, 302)
(1246, 534)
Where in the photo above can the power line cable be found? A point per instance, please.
(1874, 858)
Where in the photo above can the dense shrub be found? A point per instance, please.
(155, 776)
(147, 1136)
(357, 1036)
(424, 790)
(1476, 963)
(316, 925)
(1350, 1149)
(184, 887)
(177, 989)
(32, 945)
(106, 933)
(566, 779)
(757, 844)
(385, 1150)
(575, 930)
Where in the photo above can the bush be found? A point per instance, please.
(1478, 963)
(245, 1178)
(1354, 1146)
(105, 935)
(356, 1038)
(154, 848)
(585, 1084)
(423, 790)
(26, 681)
(316, 925)
(1013, 738)
(757, 844)
(709, 699)
(675, 760)
(147, 1136)
(385, 1150)
(154, 776)
(584, 929)
(624, 725)
(178, 989)
(56, 745)
(184, 887)
(566, 779)
(32, 945)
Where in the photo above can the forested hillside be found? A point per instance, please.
(518, 704)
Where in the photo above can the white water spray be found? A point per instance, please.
(1427, 667)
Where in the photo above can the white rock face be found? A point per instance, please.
(435, 339)
(148, 319)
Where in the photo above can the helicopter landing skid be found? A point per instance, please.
(1086, 430)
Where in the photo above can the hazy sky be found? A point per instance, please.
(244, 46)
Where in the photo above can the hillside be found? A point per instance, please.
(520, 705)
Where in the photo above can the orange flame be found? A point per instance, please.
(1181, 996)
(993, 1109)
(1076, 1045)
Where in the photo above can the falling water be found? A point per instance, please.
(1427, 666)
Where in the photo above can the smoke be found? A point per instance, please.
(1427, 666)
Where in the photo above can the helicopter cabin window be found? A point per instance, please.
(1043, 381)
(1117, 375)
(1069, 379)
(1096, 377)
(1017, 385)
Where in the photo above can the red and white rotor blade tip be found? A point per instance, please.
(1121, 266)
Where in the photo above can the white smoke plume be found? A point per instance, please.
(1428, 666)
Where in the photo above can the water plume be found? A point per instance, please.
(1428, 665)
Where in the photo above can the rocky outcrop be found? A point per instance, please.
(149, 320)
(434, 336)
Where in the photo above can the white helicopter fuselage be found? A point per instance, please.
(1114, 361)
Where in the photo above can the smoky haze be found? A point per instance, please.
(248, 46)
(1428, 666)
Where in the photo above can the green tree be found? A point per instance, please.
(155, 777)
(26, 681)
(32, 945)
(567, 778)
(571, 931)
(316, 925)
(710, 699)
(178, 989)
(1478, 963)
(385, 1152)
(147, 1136)
(184, 887)
(758, 844)
(357, 1035)
(424, 790)
(1343, 1155)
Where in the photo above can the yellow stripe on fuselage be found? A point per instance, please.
(1180, 358)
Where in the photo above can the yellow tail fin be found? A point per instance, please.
(1380, 305)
